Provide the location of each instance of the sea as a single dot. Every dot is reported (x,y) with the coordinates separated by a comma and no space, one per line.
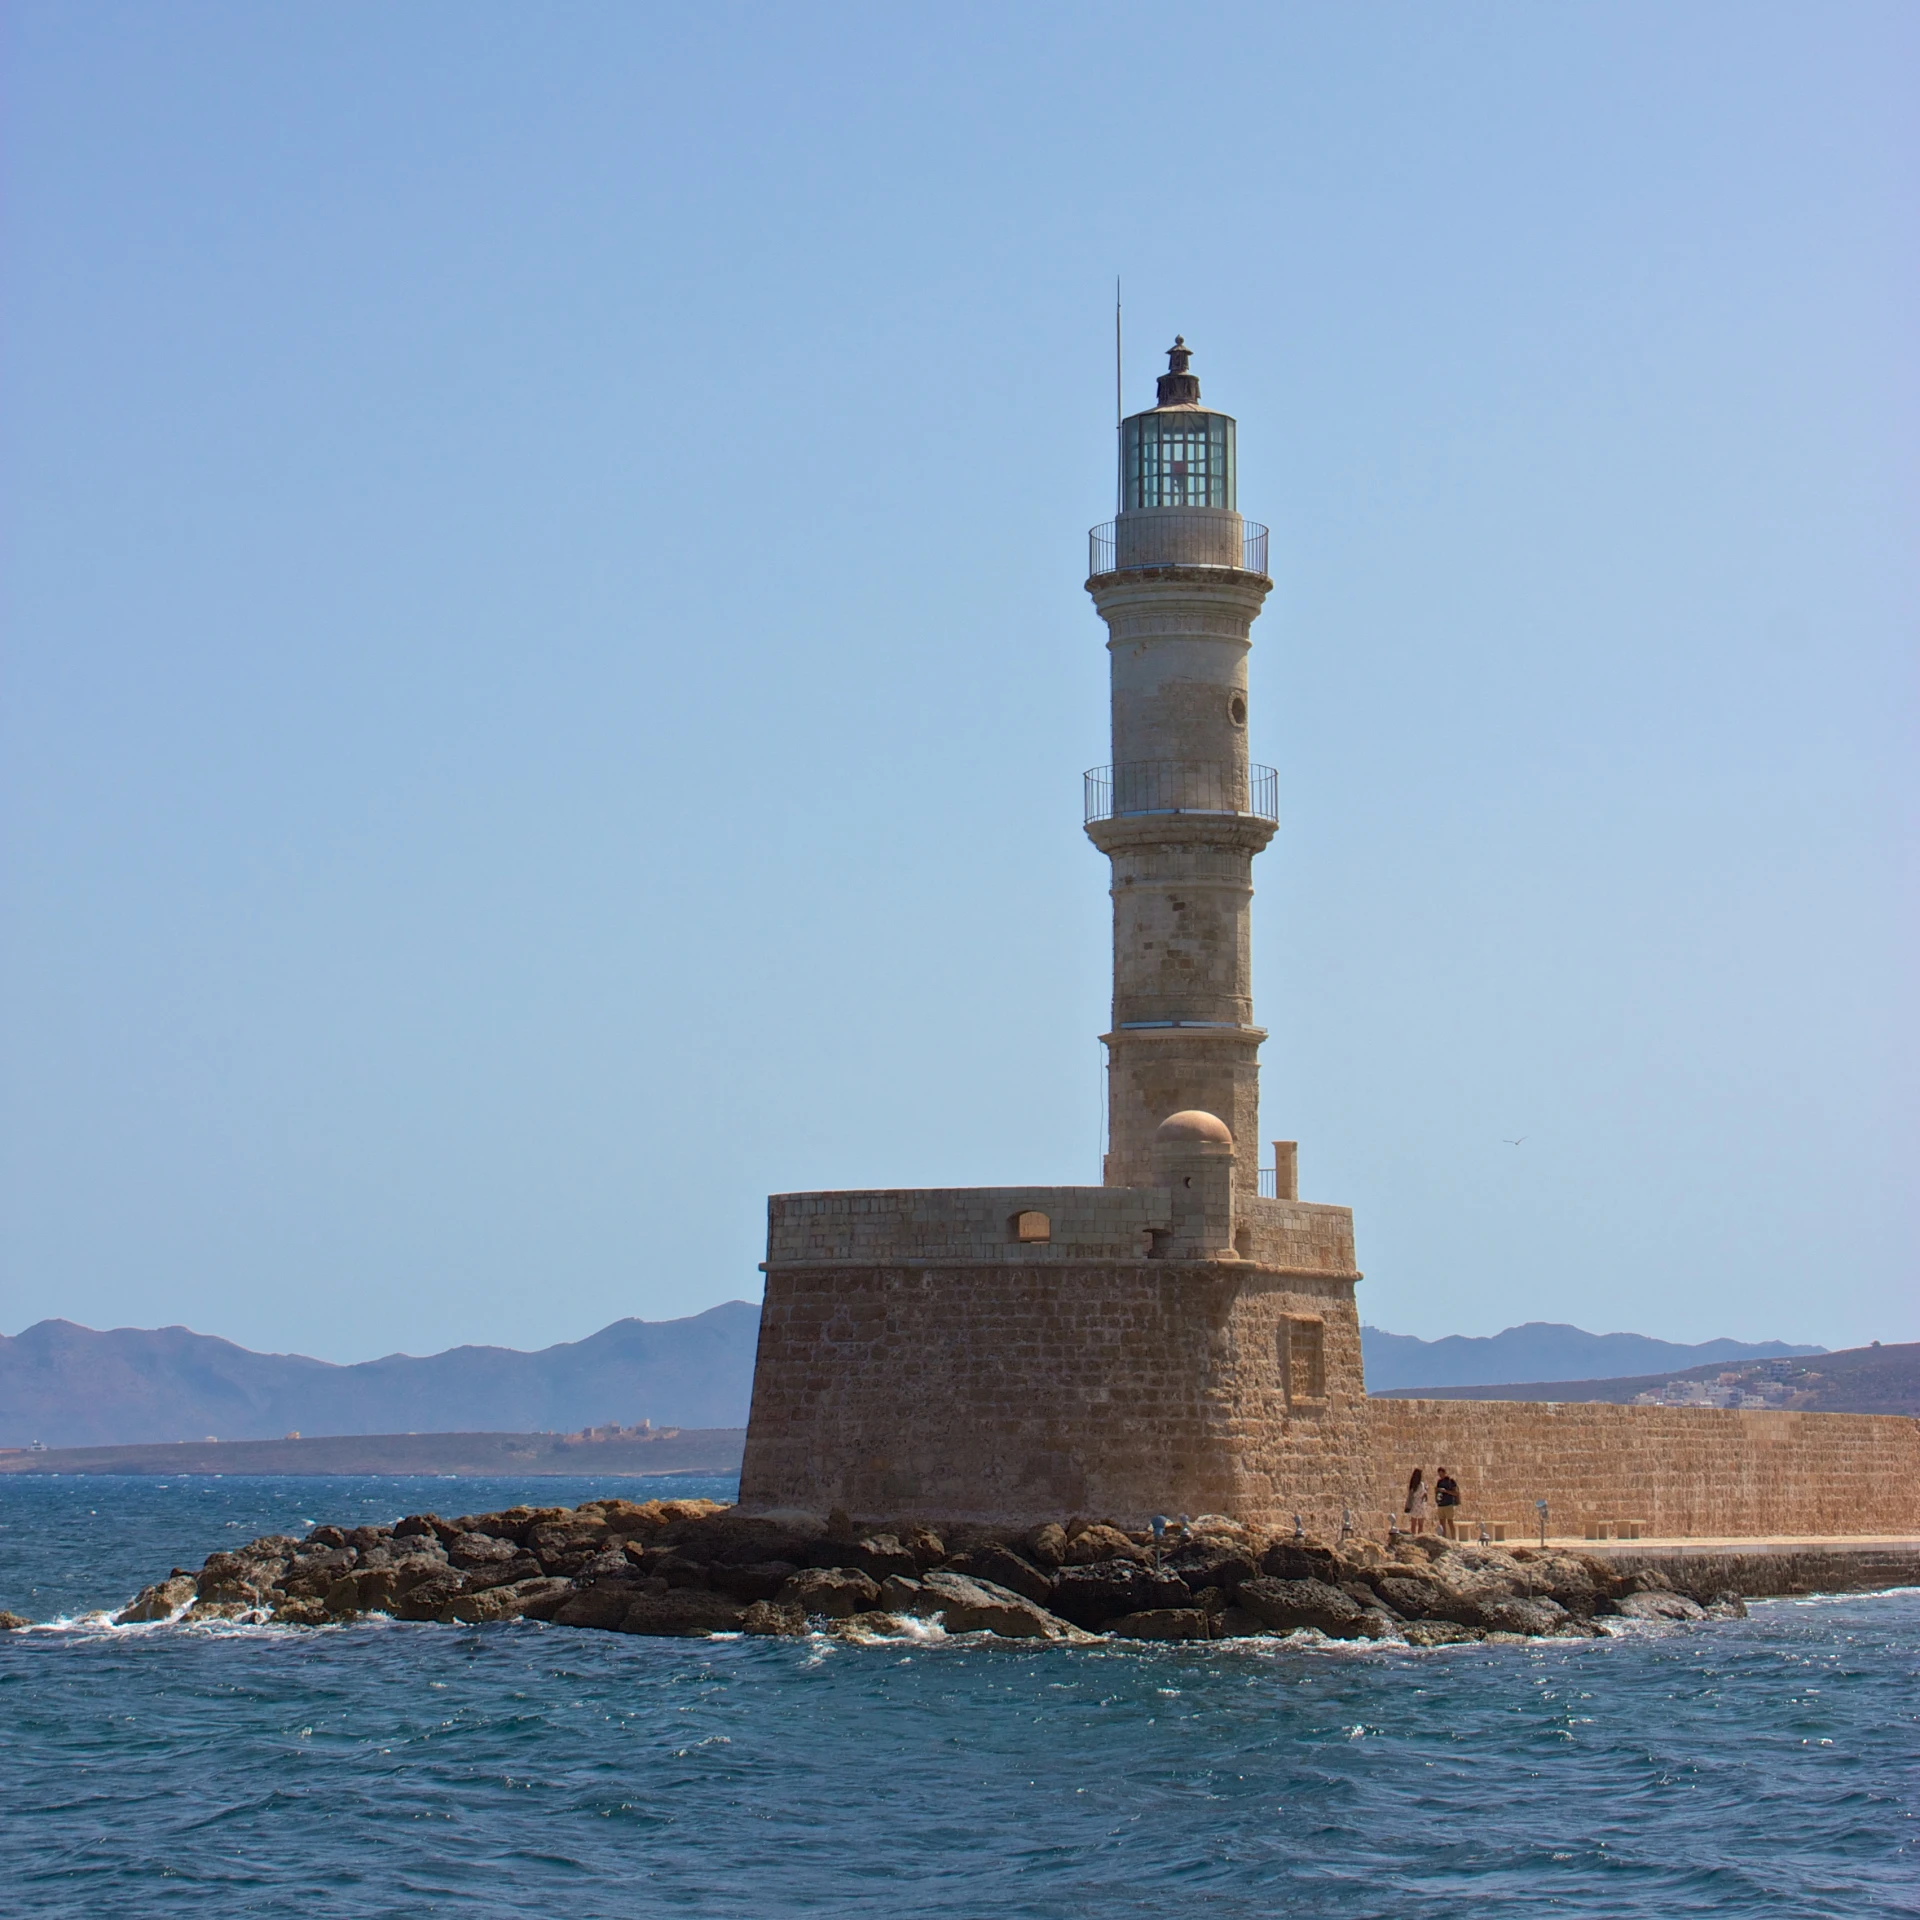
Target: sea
(1769,1766)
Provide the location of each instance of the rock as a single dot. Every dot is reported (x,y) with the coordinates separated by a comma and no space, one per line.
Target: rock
(428,1599)
(566,1546)
(1577,1581)
(326,1537)
(1098,1542)
(539,1599)
(11,1622)
(1302,1560)
(833,1591)
(1287,1605)
(1652,1604)
(308,1612)
(1212,1563)
(513,1572)
(1047,1546)
(728,1539)
(898,1595)
(1236,1623)
(677,1569)
(233,1577)
(310,1574)
(1091,1595)
(419,1526)
(1438,1633)
(876,1555)
(1005,1568)
(979,1606)
(1726,1606)
(480,1550)
(342,1599)
(774,1618)
(685,1611)
(1163,1623)
(866,1629)
(606,1604)
(161,1601)
(926,1546)
(1533,1617)
(760,1581)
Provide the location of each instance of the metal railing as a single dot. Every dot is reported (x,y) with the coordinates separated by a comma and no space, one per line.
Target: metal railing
(1269,1178)
(1179,540)
(1180,786)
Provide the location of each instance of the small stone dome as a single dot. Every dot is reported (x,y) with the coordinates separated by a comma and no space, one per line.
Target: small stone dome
(1194,1125)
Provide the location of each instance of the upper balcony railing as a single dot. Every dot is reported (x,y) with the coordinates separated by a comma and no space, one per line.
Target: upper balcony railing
(1181,786)
(1178,537)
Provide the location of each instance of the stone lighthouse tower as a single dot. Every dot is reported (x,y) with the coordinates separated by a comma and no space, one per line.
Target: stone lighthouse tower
(1173,1340)
(1178,578)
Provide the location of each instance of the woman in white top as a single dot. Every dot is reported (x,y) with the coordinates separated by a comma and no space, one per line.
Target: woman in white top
(1419,1504)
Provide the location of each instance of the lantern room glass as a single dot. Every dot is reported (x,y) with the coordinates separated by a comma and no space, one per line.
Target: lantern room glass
(1177,457)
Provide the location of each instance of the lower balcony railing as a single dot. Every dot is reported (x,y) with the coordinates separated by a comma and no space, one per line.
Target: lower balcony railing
(1170,538)
(1181,786)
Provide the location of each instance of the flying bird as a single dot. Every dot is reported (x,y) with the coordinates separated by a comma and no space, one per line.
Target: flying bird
(1511,1143)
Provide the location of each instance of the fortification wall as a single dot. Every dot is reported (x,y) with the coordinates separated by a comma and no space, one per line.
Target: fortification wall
(1684,1471)
(1019,1389)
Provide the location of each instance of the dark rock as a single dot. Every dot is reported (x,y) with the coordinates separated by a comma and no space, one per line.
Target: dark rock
(537,1599)
(1303,1560)
(677,1570)
(326,1537)
(926,1546)
(877,1555)
(428,1599)
(1424,1599)
(1438,1633)
(1047,1546)
(603,1606)
(979,1606)
(1238,1624)
(308,1575)
(1652,1604)
(1092,1545)
(307,1612)
(1533,1617)
(342,1599)
(728,1539)
(405,1574)
(774,1618)
(161,1601)
(1287,1605)
(1089,1595)
(11,1622)
(1005,1568)
(833,1591)
(230,1577)
(418,1526)
(1726,1606)
(480,1550)
(687,1611)
(1163,1623)
(898,1595)
(566,1546)
(1212,1563)
(760,1581)
(507,1573)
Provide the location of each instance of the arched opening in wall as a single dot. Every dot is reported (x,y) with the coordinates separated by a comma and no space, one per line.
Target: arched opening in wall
(1030,1228)
(1237,710)
(1302,1353)
(1243,1242)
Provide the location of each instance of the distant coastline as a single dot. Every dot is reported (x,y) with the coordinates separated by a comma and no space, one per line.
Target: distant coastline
(623,1455)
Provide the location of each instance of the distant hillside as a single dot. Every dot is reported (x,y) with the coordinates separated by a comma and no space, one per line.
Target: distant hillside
(615,1456)
(1882,1379)
(67,1386)
(1541,1351)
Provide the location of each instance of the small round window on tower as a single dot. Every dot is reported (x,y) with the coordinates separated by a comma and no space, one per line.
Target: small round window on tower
(1237,707)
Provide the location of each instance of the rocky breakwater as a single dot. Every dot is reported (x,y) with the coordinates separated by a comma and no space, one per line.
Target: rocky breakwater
(690,1567)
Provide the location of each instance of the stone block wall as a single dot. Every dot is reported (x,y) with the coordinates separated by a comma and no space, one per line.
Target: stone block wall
(914,1359)
(1684,1471)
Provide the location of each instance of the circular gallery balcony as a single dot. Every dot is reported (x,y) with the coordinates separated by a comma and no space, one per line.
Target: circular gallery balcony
(1177,537)
(1181,786)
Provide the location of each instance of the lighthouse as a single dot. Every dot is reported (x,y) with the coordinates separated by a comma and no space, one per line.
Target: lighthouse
(1175,1339)
(1178,577)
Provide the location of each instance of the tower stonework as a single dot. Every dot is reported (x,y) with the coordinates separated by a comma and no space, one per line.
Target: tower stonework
(1173,1340)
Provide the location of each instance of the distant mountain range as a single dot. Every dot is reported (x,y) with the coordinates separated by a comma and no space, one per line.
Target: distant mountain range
(1542,1350)
(67,1386)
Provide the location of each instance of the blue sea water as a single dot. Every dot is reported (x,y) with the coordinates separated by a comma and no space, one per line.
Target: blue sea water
(1760,1767)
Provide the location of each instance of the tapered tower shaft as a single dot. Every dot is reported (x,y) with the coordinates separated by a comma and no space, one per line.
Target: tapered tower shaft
(1179,579)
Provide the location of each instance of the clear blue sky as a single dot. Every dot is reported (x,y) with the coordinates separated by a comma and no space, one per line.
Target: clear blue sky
(547,674)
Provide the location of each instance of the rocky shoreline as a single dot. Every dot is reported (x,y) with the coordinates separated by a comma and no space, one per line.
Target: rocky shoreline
(692,1568)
